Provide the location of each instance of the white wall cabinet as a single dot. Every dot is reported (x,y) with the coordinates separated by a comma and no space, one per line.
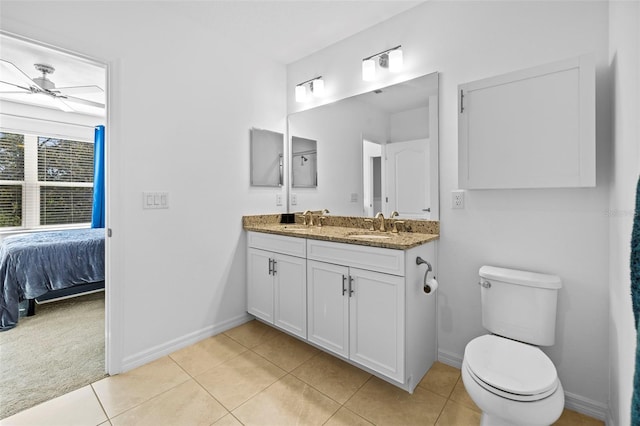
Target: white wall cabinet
(364,304)
(276,287)
(533,128)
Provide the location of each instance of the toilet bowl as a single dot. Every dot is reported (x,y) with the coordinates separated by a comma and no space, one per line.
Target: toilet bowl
(513,383)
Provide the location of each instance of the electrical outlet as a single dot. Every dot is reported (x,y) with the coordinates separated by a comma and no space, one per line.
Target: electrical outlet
(294,199)
(278,199)
(457,199)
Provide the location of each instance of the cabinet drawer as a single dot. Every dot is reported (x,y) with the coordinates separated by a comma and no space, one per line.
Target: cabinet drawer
(377,259)
(277,243)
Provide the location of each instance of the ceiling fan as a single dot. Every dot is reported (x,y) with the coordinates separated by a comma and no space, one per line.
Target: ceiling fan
(14,81)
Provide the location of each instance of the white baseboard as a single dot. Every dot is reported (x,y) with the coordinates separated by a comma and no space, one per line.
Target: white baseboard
(156,352)
(609,420)
(571,401)
(449,358)
(585,406)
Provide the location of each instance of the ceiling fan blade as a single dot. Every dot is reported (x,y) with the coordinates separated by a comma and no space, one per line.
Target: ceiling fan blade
(11,74)
(87,102)
(6,86)
(62,105)
(79,90)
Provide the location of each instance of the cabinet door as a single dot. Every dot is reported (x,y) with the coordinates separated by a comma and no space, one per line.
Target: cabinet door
(259,285)
(532,128)
(328,306)
(377,313)
(290,294)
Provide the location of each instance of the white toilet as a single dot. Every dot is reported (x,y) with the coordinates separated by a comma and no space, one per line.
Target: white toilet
(508,377)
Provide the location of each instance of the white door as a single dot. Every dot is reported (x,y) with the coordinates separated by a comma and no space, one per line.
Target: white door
(290,275)
(328,306)
(377,313)
(260,284)
(407,176)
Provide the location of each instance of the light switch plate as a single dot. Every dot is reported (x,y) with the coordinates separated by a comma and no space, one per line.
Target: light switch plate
(278,199)
(155,200)
(294,199)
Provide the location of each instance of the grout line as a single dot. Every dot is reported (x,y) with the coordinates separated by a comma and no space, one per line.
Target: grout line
(100,402)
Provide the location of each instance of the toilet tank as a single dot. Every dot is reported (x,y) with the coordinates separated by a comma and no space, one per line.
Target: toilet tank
(519,305)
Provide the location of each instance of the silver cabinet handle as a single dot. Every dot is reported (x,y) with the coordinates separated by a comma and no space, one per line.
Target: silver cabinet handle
(274,266)
(344,287)
(270,266)
(484,283)
(351,290)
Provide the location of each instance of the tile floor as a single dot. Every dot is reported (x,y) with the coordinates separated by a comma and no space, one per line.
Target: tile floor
(256,375)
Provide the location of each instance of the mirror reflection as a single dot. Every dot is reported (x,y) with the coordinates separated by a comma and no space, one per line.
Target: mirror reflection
(304,163)
(266,157)
(377,152)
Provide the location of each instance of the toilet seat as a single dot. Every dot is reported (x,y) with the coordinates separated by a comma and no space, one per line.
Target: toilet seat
(510,369)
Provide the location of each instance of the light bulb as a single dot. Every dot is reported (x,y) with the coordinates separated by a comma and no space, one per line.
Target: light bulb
(368,70)
(301,93)
(395,60)
(317,86)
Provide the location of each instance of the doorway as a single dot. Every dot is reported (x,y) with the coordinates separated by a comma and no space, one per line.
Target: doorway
(372,177)
(53,97)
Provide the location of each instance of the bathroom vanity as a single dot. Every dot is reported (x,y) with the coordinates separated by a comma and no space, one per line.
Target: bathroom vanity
(355,293)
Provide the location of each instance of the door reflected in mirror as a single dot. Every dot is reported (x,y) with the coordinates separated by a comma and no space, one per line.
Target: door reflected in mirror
(380,152)
(267,165)
(304,162)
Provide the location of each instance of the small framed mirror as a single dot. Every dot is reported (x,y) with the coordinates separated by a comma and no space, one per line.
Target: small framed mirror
(304,162)
(267,151)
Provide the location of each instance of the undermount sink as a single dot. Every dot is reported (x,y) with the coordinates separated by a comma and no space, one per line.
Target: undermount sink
(295,227)
(370,236)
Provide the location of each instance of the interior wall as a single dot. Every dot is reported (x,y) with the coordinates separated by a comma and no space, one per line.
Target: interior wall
(179,122)
(409,125)
(557,231)
(624,58)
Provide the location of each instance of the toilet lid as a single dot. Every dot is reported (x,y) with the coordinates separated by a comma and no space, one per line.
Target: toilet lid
(512,367)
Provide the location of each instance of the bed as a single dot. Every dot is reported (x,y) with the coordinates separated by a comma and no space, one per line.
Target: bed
(45,265)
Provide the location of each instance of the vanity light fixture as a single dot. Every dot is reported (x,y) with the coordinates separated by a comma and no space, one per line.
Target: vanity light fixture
(390,58)
(316,88)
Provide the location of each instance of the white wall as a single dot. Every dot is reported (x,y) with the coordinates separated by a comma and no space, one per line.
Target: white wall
(624,57)
(409,125)
(179,122)
(559,231)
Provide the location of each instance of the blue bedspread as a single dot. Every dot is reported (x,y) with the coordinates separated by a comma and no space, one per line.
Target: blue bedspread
(33,264)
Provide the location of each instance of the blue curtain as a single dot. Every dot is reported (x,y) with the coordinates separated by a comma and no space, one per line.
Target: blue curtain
(97,213)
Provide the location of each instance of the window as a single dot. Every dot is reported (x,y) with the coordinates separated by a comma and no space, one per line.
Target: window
(11,179)
(44,181)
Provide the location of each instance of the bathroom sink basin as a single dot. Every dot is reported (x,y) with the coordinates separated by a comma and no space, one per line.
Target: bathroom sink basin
(294,227)
(370,236)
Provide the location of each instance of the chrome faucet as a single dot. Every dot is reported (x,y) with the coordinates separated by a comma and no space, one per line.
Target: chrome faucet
(380,216)
(394,214)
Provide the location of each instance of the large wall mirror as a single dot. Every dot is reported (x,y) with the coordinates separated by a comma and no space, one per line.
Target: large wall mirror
(375,152)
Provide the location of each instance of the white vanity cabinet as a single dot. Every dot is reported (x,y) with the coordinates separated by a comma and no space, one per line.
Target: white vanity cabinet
(276,275)
(364,304)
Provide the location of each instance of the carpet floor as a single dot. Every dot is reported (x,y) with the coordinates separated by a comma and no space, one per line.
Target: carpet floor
(58,350)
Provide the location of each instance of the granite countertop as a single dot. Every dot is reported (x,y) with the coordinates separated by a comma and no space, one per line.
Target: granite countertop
(350,230)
